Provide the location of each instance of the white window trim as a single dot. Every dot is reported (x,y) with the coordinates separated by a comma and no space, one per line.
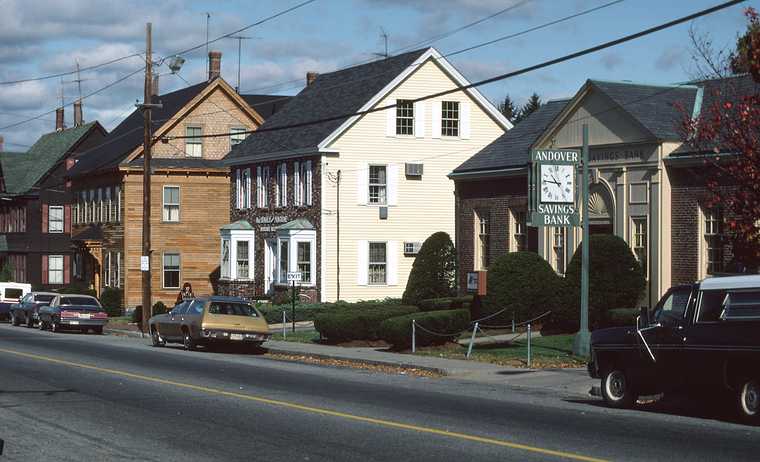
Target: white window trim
(293,237)
(369,186)
(50,270)
(387,265)
(235,236)
(193,142)
(632,237)
(178,204)
(458,120)
(703,260)
(50,221)
(513,220)
(237,131)
(163,270)
(396,119)
(282,185)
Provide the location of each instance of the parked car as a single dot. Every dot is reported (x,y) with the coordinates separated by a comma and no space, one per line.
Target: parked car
(10,293)
(208,320)
(71,311)
(27,309)
(701,337)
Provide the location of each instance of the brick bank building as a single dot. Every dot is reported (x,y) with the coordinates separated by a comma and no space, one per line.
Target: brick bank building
(646,186)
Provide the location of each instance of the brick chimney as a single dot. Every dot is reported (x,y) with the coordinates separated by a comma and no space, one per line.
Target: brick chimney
(59,124)
(154,86)
(311,77)
(78,119)
(214,64)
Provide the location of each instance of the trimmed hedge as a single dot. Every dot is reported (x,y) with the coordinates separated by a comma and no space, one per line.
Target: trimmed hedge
(158,308)
(398,330)
(449,303)
(306,312)
(433,272)
(359,322)
(111,298)
(77,288)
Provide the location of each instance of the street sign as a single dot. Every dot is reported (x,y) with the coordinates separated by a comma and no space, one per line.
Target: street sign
(294,276)
(552,187)
(144,263)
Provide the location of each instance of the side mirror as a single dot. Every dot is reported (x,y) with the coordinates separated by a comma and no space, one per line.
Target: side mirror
(643,320)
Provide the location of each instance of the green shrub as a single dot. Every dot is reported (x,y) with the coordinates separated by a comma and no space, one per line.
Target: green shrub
(111,299)
(449,303)
(523,284)
(433,272)
(616,281)
(358,321)
(304,312)
(158,308)
(398,330)
(77,288)
(621,317)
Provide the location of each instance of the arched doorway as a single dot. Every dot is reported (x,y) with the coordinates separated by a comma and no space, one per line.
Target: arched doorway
(601,210)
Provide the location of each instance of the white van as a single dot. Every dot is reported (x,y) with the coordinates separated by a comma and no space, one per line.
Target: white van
(10,293)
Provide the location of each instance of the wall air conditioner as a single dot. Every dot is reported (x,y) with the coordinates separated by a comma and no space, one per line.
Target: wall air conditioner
(413,170)
(412,248)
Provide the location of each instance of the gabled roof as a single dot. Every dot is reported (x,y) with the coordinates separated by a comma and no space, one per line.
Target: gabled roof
(23,171)
(512,149)
(336,94)
(297,224)
(240,225)
(659,109)
(266,105)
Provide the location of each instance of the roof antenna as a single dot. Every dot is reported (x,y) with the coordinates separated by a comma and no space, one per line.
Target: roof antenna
(385,37)
(208,20)
(240,39)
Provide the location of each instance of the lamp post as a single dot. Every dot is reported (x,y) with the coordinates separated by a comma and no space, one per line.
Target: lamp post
(581,343)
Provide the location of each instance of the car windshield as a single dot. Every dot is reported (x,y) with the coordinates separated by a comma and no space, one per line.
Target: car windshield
(43,298)
(79,301)
(234,309)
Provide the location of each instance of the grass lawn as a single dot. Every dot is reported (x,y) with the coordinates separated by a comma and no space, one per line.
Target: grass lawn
(120,319)
(547,352)
(300,336)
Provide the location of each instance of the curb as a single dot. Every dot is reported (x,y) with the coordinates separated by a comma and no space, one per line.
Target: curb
(125,333)
(596,390)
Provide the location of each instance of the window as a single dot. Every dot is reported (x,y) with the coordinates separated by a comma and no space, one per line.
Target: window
(742,305)
(713,240)
(284,262)
(378,184)
(245,189)
(558,244)
(107,213)
(107,269)
(242,260)
(674,305)
(171,270)
(100,212)
(404,117)
(639,236)
(117,193)
(450,118)
(282,185)
(377,263)
(711,305)
(83,207)
(55,219)
(237,135)
(91,214)
(481,240)
(262,187)
(232,309)
(302,183)
(55,269)
(304,261)
(194,146)
(520,229)
(225,267)
(171,203)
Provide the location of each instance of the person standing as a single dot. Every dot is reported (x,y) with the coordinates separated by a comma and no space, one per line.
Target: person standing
(185,294)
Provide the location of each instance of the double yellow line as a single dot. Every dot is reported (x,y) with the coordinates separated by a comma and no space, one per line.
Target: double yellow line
(311,409)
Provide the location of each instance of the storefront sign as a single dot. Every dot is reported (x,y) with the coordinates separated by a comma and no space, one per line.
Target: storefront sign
(551,186)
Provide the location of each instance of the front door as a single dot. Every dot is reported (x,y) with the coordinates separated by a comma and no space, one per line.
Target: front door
(270,266)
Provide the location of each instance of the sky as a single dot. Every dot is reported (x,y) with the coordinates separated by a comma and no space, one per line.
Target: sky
(43,37)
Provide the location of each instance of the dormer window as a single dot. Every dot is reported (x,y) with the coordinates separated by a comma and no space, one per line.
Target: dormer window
(404,117)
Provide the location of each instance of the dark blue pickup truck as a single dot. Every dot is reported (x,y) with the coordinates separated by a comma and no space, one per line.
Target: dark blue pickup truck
(703,336)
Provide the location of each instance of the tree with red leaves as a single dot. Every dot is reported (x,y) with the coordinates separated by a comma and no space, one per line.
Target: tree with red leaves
(730,129)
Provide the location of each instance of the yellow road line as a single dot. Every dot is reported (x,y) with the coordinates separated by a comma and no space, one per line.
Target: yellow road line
(313,410)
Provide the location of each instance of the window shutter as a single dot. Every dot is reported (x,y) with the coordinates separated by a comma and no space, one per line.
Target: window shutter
(248,188)
(436,119)
(419,119)
(308,182)
(237,189)
(117,192)
(259,200)
(363,263)
(392,184)
(45,269)
(390,126)
(362,185)
(284,185)
(44,218)
(67,218)
(67,269)
(296,186)
(464,120)
(391,252)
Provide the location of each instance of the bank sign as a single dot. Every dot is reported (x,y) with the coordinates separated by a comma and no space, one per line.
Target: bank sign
(552,188)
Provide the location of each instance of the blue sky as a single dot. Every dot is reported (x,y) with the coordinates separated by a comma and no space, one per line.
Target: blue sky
(39,37)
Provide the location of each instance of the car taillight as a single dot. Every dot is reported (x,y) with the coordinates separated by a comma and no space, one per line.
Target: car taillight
(69,314)
(100,315)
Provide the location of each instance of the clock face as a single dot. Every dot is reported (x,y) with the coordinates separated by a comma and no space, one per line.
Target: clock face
(557,183)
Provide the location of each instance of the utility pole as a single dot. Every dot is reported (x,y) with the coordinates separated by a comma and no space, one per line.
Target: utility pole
(240,39)
(147,106)
(581,344)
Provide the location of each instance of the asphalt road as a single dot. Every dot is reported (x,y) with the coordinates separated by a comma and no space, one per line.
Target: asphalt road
(73,397)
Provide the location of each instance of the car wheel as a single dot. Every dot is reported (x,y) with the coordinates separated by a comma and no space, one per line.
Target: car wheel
(156,339)
(187,341)
(41,324)
(749,401)
(55,326)
(29,321)
(15,320)
(617,389)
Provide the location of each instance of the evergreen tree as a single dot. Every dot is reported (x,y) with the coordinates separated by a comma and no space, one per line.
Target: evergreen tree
(508,109)
(534,102)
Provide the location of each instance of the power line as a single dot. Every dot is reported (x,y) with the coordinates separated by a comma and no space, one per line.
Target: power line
(478,45)
(496,78)
(63,74)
